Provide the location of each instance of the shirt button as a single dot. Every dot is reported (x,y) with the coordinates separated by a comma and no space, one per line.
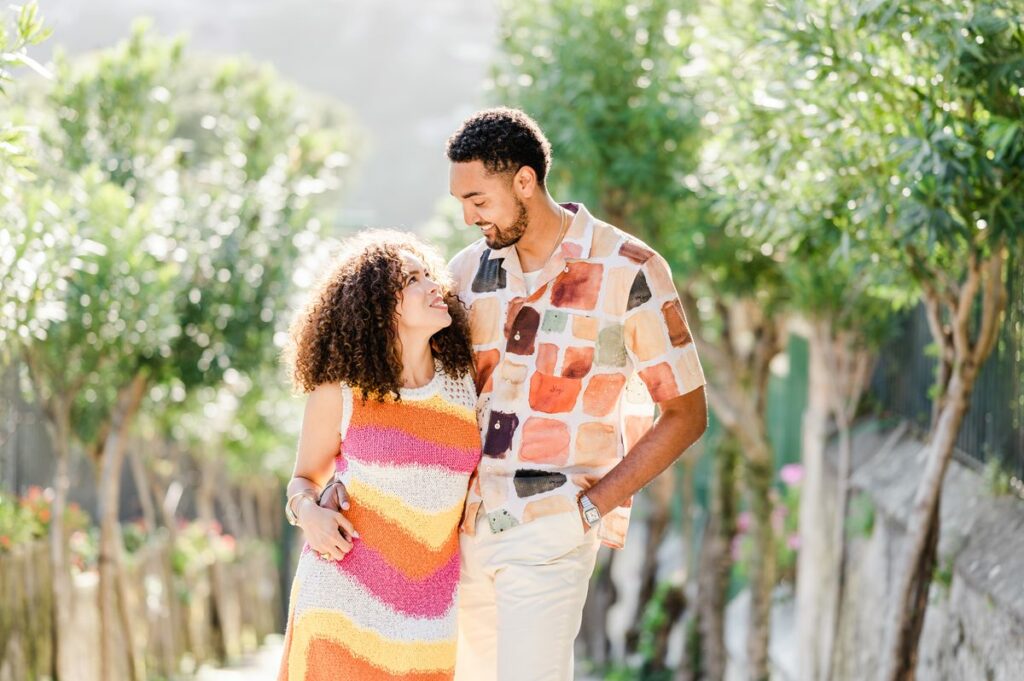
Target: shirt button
(497,426)
(566,269)
(517,335)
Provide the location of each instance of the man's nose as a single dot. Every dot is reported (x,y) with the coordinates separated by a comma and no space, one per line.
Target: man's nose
(470,217)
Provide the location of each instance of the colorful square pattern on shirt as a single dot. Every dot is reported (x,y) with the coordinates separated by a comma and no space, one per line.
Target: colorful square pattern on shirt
(568,373)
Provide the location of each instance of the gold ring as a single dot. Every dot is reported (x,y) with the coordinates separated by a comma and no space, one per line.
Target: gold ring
(325,556)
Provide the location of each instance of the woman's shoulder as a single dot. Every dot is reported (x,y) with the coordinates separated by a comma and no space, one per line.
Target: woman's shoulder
(330,397)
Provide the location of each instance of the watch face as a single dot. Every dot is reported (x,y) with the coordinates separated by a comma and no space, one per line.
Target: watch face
(592,515)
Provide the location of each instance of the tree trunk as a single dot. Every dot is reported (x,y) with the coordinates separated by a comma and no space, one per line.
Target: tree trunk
(915,570)
(811,569)
(260,507)
(673,605)
(985,278)
(839,545)
(740,368)
(716,563)
(686,493)
(849,363)
(230,498)
(65,664)
(659,494)
(601,596)
(143,489)
(758,474)
(249,494)
(110,465)
(168,489)
(206,493)
(691,619)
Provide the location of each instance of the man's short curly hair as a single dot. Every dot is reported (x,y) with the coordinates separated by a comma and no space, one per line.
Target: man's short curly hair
(347,332)
(504,140)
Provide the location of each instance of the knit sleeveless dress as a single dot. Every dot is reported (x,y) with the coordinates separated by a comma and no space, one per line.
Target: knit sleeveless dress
(387,610)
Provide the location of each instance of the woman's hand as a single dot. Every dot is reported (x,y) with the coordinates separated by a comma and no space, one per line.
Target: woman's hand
(327,532)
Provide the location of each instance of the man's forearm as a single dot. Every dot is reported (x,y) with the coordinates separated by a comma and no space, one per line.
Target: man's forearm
(683,420)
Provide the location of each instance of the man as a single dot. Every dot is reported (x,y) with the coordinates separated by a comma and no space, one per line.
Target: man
(571,318)
(576,328)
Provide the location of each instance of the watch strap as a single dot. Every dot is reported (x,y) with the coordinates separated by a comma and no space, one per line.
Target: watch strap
(590,512)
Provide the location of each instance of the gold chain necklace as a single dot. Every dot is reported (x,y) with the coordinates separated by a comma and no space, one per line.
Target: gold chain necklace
(561,233)
(563,226)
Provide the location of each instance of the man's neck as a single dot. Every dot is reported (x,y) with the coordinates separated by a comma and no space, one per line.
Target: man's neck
(535,247)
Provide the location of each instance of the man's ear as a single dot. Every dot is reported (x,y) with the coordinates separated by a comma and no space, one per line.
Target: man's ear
(524,182)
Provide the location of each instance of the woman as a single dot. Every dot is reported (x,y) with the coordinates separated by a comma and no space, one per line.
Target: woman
(383,350)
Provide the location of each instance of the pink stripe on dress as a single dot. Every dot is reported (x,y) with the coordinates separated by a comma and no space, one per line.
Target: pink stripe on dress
(376,444)
(430,597)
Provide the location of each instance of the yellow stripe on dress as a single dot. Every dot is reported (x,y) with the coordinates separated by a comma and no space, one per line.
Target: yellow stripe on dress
(431,529)
(396,657)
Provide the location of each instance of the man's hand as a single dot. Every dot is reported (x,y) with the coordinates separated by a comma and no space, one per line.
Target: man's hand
(335,497)
(683,420)
(583,520)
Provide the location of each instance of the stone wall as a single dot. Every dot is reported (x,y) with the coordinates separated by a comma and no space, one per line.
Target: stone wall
(974,628)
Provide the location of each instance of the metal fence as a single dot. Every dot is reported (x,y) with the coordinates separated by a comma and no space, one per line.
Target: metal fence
(994,426)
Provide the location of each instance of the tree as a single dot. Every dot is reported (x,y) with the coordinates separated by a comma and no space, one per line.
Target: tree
(934,92)
(627,136)
(201,195)
(789,168)
(600,79)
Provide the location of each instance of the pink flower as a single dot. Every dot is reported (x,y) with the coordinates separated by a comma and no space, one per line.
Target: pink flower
(792,474)
(793,542)
(743,522)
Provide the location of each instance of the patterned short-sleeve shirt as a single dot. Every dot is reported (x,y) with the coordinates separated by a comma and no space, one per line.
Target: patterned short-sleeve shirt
(568,374)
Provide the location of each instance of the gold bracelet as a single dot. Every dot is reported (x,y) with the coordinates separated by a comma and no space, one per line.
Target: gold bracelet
(289,511)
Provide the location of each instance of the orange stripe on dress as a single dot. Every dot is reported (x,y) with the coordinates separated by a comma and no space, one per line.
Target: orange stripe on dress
(422,421)
(399,548)
(327,660)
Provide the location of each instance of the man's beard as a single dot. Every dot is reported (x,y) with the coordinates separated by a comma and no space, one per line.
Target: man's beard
(509,236)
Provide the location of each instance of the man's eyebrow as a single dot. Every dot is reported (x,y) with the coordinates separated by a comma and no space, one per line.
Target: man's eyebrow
(470,195)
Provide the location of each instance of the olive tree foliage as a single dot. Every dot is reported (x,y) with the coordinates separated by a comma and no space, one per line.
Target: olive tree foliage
(906,117)
(789,173)
(937,88)
(26,273)
(173,200)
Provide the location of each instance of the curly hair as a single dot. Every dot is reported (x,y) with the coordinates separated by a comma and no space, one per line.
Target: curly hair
(504,140)
(347,331)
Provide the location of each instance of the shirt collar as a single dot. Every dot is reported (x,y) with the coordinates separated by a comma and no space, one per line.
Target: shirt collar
(576,243)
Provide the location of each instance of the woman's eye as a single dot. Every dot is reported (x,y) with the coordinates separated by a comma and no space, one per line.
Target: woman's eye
(479,205)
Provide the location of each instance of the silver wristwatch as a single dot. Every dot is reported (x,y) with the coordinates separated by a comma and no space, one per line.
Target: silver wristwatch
(590,512)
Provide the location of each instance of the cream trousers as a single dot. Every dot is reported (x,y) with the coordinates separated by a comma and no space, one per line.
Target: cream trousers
(521,598)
